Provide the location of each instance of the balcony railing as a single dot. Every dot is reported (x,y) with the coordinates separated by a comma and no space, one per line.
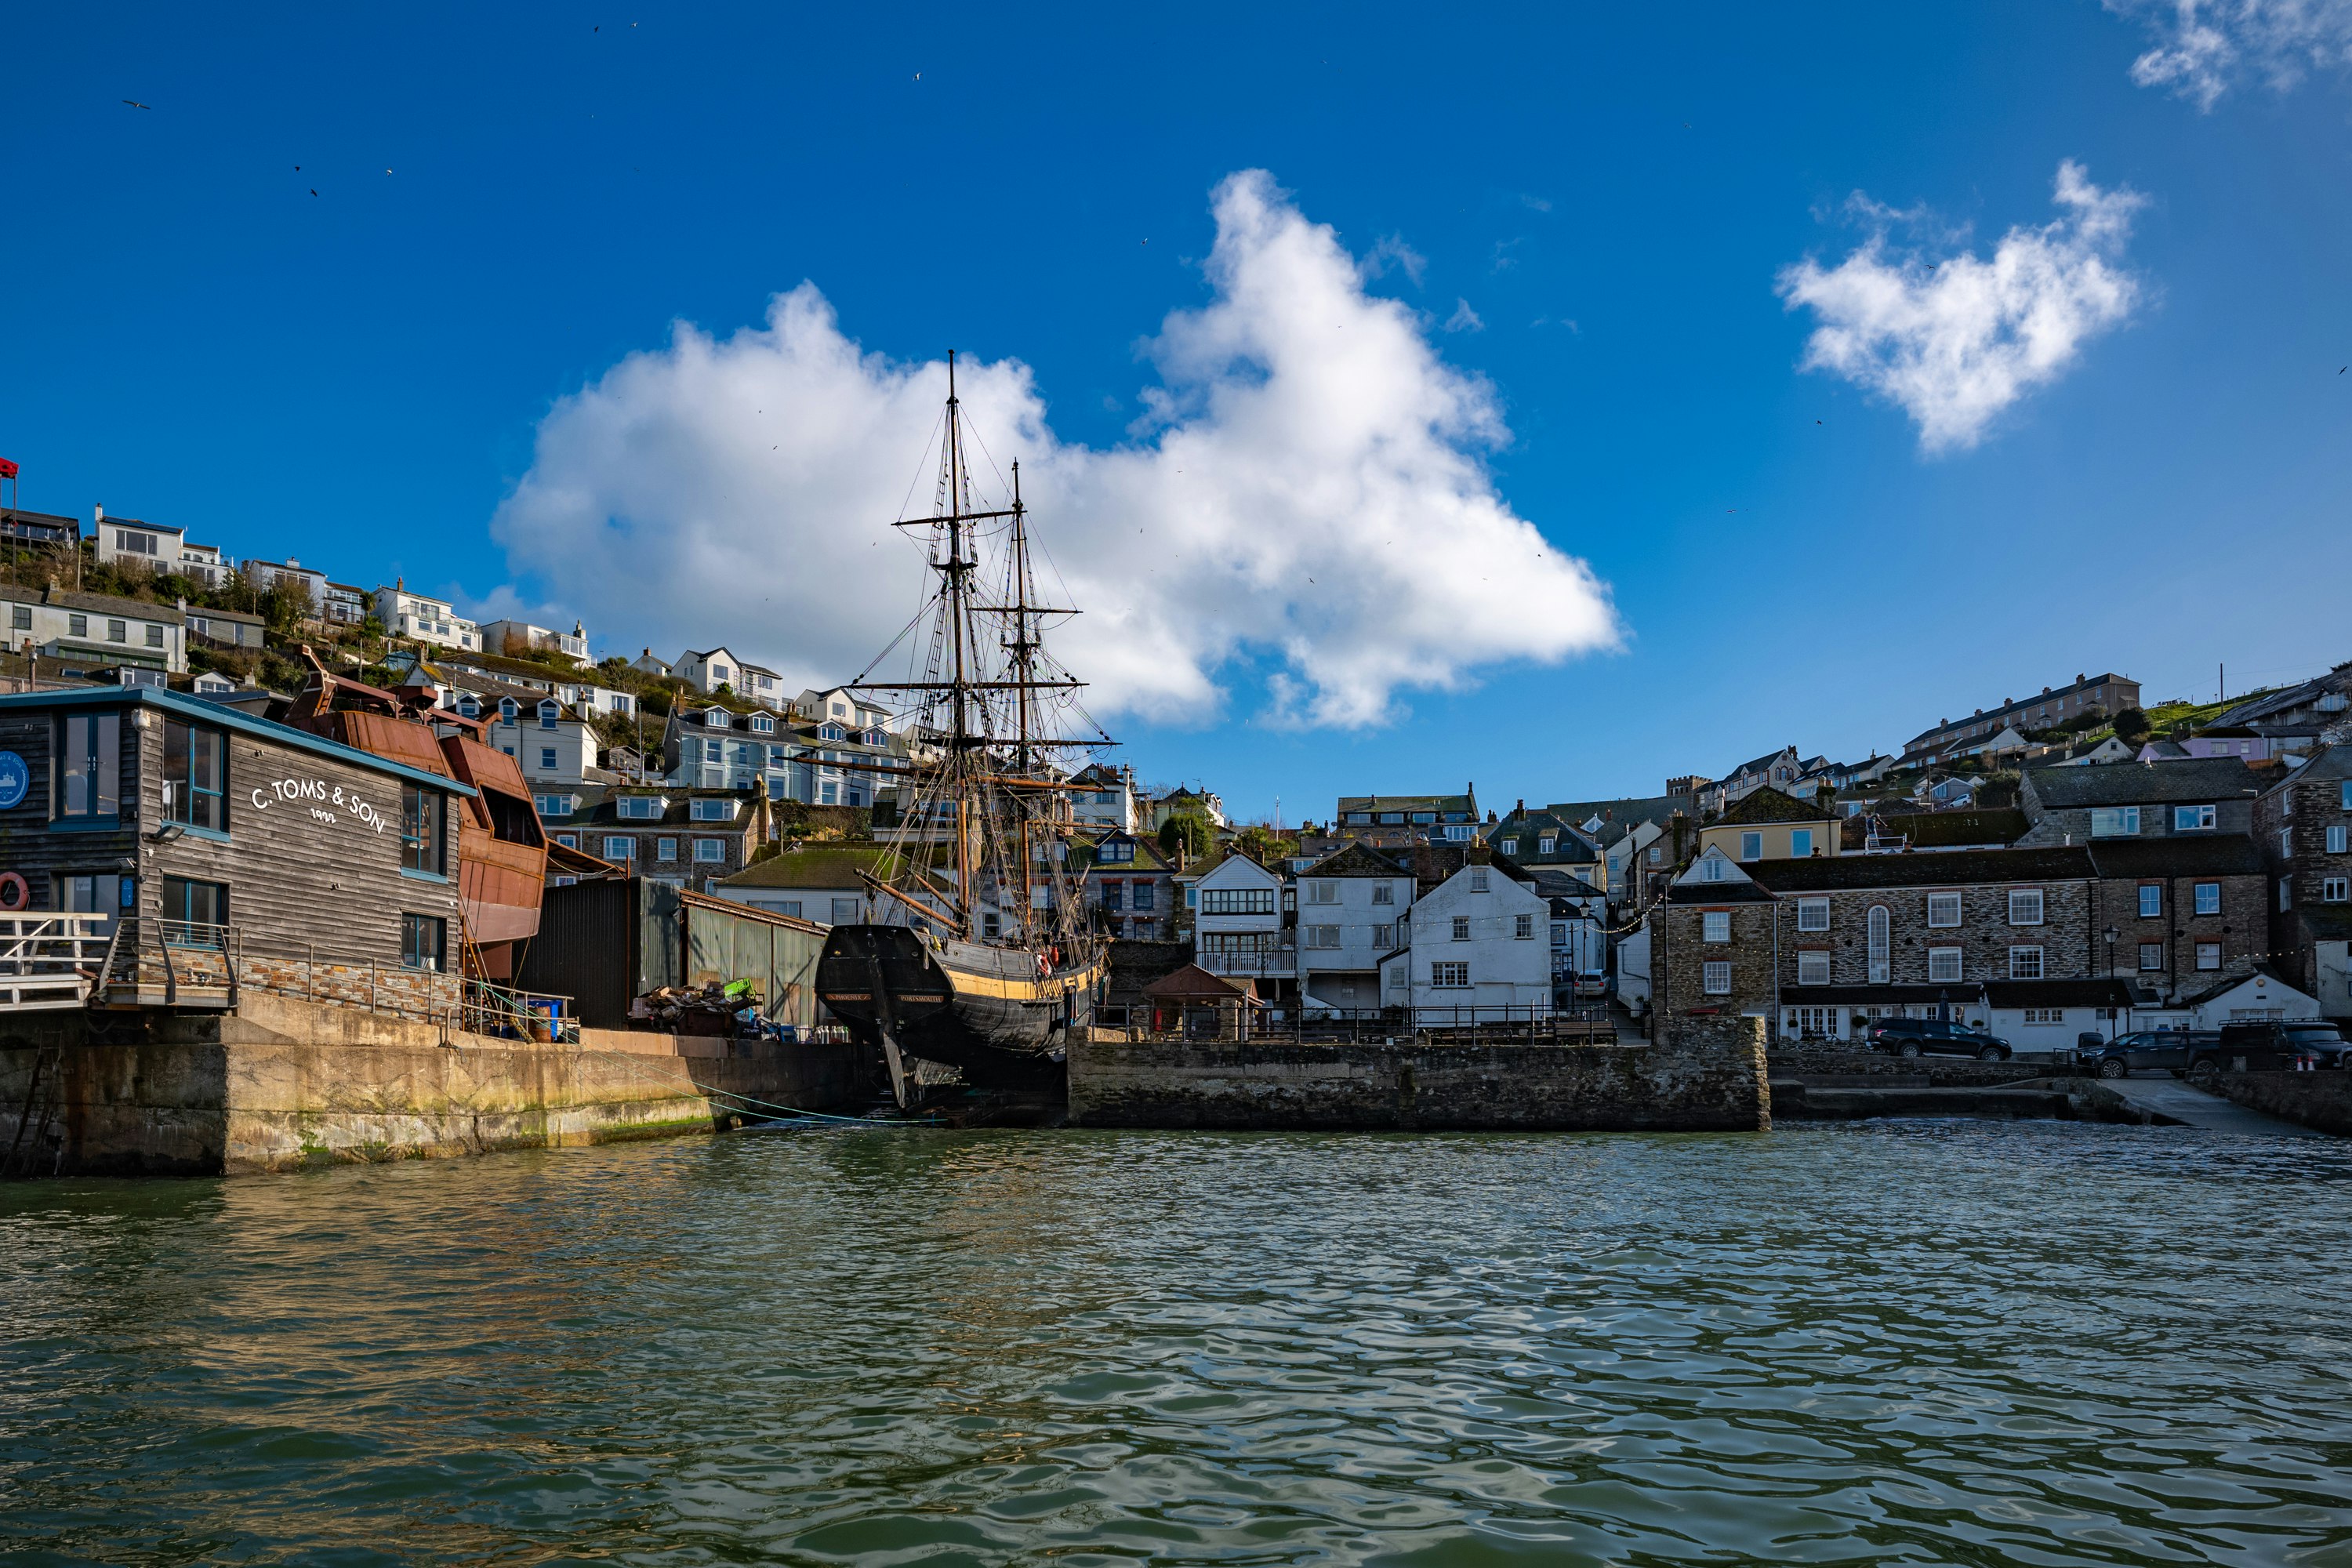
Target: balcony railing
(1278,961)
(52,961)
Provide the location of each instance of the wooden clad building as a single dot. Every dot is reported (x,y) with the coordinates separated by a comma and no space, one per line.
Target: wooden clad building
(199,828)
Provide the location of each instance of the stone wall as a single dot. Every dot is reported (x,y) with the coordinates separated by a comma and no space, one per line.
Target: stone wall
(2241,928)
(1693,1087)
(1939,1072)
(282,1084)
(2320,1101)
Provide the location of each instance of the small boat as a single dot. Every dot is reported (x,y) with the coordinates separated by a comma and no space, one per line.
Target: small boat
(978,957)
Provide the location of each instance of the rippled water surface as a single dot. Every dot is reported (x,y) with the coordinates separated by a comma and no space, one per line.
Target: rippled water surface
(2033,1344)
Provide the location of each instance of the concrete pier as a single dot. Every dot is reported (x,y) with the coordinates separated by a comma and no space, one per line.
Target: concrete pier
(1710,1080)
(281,1084)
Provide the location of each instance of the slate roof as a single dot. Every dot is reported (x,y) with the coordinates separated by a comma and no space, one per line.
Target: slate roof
(2223,986)
(1554,884)
(94,604)
(1948,868)
(1353,859)
(1617,816)
(1407,803)
(825,866)
(2334,763)
(2200,779)
(1928,829)
(1148,856)
(1768,804)
(2182,854)
(2108,993)
(1725,892)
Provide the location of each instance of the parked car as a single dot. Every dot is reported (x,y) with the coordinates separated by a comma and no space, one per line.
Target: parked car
(2165,1049)
(2275,1046)
(1933,1037)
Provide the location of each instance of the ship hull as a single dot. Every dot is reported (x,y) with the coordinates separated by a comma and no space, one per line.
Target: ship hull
(984,1011)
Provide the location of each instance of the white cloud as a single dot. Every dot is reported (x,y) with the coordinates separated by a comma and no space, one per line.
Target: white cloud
(1956,341)
(1307,490)
(1394,252)
(2206,45)
(1464,319)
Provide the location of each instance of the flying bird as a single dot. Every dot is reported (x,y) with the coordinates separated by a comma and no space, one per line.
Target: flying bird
(314,191)
(134,103)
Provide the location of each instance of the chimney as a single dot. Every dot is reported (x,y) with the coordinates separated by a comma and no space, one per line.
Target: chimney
(292,561)
(97,516)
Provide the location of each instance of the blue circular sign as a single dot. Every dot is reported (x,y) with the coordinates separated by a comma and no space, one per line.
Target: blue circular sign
(15,779)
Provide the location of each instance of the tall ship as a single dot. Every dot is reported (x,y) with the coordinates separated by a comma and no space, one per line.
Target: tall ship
(978,956)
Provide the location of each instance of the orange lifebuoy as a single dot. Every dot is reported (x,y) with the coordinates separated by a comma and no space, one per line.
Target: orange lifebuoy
(14,894)
(1045,965)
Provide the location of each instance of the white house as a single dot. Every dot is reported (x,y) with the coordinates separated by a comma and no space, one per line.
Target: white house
(422,619)
(1237,924)
(712,669)
(1478,952)
(156,546)
(1634,971)
(1180,801)
(761,685)
(1104,796)
(92,631)
(549,742)
(2258,997)
(840,705)
(1352,907)
(522,637)
(311,583)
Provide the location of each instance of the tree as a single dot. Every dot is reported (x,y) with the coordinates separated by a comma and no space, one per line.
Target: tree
(1187,831)
(2131,726)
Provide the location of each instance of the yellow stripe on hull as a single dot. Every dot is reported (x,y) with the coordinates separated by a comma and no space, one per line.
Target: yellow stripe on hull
(997,989)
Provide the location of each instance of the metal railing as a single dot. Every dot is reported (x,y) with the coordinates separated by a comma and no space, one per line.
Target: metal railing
(200,963)
(1264,961)
(53,959)
(1540,1022)
(507,1013)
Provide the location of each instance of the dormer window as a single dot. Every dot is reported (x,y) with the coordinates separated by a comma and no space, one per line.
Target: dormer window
(712,810)
(507,710)
(717,719)
(872,737)
(468,707)
(639,808)
(548,712)
(829,732)
(761,724)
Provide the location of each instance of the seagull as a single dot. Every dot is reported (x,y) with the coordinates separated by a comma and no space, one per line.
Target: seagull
(314,191)
(134,103)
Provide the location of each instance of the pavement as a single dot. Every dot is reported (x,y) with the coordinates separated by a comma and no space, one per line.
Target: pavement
(2178,1100)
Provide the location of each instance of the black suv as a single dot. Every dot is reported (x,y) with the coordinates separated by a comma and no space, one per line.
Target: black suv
(1932,1037)
(2166,1049)
(2305,1042)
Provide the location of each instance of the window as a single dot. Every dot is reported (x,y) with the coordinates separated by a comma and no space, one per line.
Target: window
(720,719)
(1477,879)
(2190,818)
(709,851)
(828,732)
(2151,955)
(637,808)
(2209,898)
(20,618)
(1751,846)
(1384,937)
(2025,964)
(845,911)
(1801,842)
(155,636)
(1813,914)
(665,849)
(619,848)
(1715,977)
(194,912)
(710,810)
(2285,893)
(420,941)
(2286,844)
(762,725)
(1546,844)
(77,626)
(89,766)
(2045,1015)
(192,776)
(1462,928)
(1880,964)
(1813,968)
(1320,892)
(118,631)
(1449,977)
(569,840)
(2209,955)
(2336,839)
(2344,796)
(719,673)
(1560,934)
(2335,889)
(1523,928)
(1425,817)
(1114,894)
(2152,900)
(1236,900)
(2114,821)
(134,543)
(548,712)
(420,829)
(547,759)
(1943,911)
(1657,856)
(1323,936)
(1715,925)
(1144,897)
(508,710)
(2024,907)
(1943,965)
(97,893)
(1711,869)
(1384,892)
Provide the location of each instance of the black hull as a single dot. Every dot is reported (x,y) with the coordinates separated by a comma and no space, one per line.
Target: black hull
(983,1011)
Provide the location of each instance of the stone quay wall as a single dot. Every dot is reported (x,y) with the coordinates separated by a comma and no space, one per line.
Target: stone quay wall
(280,1085)
(2319,1100)
(1940,1072)
(1423,1084)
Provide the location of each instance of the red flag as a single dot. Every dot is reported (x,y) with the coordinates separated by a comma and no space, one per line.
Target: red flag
(7,469)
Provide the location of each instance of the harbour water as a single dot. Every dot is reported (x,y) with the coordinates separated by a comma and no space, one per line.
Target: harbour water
(1923,1343)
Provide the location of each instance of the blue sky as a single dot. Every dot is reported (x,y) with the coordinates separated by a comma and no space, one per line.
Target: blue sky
(365,378)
